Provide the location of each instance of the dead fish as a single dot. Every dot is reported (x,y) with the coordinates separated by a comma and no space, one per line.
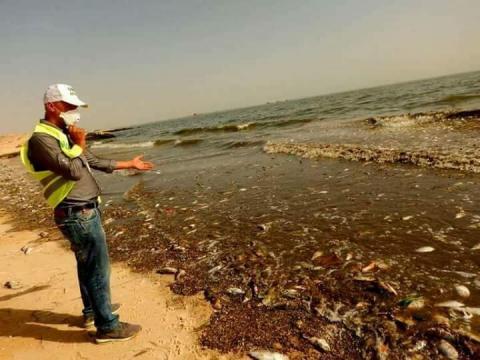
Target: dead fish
(451,304)
(364,278)
(476,247)
(419,346)
(178,248)
(462,290)
(413,301)
(448,350)
(264,227)
(465,274)
(235,291)
(387,287)
(417,304)
(460,313)
(12,285)
(267,355)
(180,274)
(317,254)
(473,310)
(370,267)
(405,218)
(167,270)
(291,293)
(215,269)
(425,249)
(319,343)
(212,244)
(26,250)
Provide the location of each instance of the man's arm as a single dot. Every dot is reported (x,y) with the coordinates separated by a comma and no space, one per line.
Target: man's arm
(78,136)
(105,165)
(108,166)
(45,154)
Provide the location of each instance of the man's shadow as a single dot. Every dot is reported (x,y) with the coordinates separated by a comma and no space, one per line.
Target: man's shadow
(34,323)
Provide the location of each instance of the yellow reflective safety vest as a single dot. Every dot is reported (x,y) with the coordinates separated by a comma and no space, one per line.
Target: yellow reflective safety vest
(55,187)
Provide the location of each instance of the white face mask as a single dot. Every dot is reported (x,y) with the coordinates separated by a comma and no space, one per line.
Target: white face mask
(70,117)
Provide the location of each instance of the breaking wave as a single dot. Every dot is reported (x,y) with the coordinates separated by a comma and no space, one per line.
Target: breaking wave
(453,99)
(146,144)
(408,120)
(221,128)
(241,127)
(113,145)
(458,159)
(405,120)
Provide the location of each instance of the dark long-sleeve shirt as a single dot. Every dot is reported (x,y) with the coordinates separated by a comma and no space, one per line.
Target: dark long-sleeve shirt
(45,154)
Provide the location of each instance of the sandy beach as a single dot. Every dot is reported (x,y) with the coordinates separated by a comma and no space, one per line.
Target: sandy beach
(40,313)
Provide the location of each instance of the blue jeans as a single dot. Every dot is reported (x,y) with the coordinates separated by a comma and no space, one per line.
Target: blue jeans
(87,239)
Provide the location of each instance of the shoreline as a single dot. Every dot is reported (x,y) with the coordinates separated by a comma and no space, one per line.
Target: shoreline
(292,320)
(10,145)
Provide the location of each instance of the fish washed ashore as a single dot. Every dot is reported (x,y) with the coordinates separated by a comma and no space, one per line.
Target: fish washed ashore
(337,306)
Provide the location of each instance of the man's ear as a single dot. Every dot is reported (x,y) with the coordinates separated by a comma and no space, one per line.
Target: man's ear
(51,108)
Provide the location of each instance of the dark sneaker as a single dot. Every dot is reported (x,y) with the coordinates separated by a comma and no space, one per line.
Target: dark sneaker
(123,332)
(88,320)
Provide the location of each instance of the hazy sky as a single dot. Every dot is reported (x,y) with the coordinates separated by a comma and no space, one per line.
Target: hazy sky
(145,60)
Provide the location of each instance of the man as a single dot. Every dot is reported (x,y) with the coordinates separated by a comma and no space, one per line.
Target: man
(56,155)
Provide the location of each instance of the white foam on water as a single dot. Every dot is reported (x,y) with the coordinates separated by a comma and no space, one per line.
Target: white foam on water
(145,144)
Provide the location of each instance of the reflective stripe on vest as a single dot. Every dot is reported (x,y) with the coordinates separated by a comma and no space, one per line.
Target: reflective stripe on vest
(55,187)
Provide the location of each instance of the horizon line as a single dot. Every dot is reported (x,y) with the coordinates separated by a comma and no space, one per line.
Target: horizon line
(307,97)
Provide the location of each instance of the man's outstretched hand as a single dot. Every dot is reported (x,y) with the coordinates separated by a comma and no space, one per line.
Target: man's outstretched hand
(139,164)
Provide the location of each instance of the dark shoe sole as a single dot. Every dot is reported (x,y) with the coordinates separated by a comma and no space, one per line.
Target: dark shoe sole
(107,340)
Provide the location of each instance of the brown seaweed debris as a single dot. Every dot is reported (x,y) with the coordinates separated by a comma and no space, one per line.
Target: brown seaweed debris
(460,159)
(238,327)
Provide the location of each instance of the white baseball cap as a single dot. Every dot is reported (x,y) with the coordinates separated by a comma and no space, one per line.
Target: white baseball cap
(62,92)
